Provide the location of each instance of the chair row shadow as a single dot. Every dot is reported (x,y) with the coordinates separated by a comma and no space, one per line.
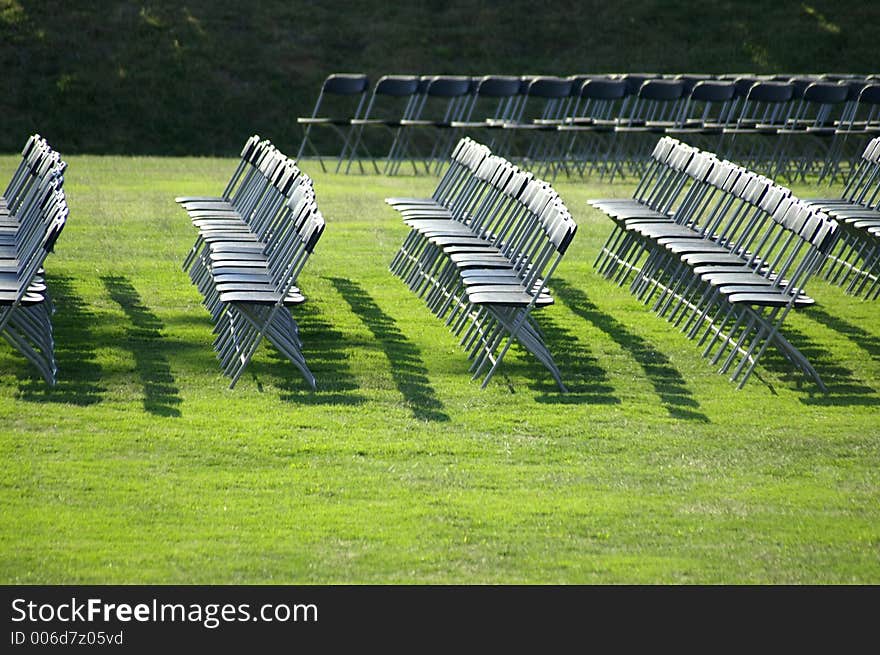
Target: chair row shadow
(81,380)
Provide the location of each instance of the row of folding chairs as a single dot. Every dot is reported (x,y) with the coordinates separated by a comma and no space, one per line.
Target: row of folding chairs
(33,212)
(602,124)
(854,263)
(253,242)
(481,252)
(720,251)
(790,129)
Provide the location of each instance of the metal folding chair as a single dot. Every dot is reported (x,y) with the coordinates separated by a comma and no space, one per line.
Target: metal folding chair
(340,101)
(394,99)
(445,101)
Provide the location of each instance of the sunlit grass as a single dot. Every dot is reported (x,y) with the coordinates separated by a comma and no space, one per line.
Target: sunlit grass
(142,466)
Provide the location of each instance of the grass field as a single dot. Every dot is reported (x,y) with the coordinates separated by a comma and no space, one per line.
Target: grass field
(141,466)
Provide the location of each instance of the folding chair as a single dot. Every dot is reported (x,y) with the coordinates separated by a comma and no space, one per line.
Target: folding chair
(495,101)
(258,310)
(764,110)
(348,90)
(445,100)
(543,106)
(805,141)
(587,133)
(853,133)
(655,108)
(706,112)
(394,99)
(839,161)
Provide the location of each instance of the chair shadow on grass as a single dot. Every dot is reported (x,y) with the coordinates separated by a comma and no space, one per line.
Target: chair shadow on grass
(79,374)
(585,380)
(844,388)
(145,342)
(322,347)
(868,342)
(668,382)
(407,369)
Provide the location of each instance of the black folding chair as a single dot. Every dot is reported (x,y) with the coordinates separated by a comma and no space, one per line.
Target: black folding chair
(394,99)
(340,101)
(445,100)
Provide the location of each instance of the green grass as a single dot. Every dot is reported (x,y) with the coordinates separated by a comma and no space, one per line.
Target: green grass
(141,466)
(165,77)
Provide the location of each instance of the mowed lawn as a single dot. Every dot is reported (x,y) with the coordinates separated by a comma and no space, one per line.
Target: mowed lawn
(141,466)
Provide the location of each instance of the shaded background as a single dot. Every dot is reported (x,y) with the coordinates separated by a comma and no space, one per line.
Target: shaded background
(198,77)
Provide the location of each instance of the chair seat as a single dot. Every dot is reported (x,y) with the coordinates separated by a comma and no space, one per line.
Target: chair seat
(585,127)
(491,277)
(714,257)
(745,278)
(472,240)
(505,295)
(657,230)
(432,228)
(480,260)
(691,246)
(238,246)
(186,199)
(235,237)
(8,298)
(427,214)
(260,297)
(323,120)
(475,125)
(528,126)
(375,121)
(768,299)
(415,202)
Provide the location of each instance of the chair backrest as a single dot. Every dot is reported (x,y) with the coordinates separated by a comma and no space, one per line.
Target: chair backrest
(342,95)
(603,89)
(448,86)
(346,83)
(657,100)
(820,104)
(870,95)
(545,99)
(690,80)
(495,98)
(394,97)
(709,101)
(766,102)
(770,92)
(399,86)
(634,81)
(446,98)
(497,86)
(713,91)
(550,88)
(743,83)
(598,99)
(799,85)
